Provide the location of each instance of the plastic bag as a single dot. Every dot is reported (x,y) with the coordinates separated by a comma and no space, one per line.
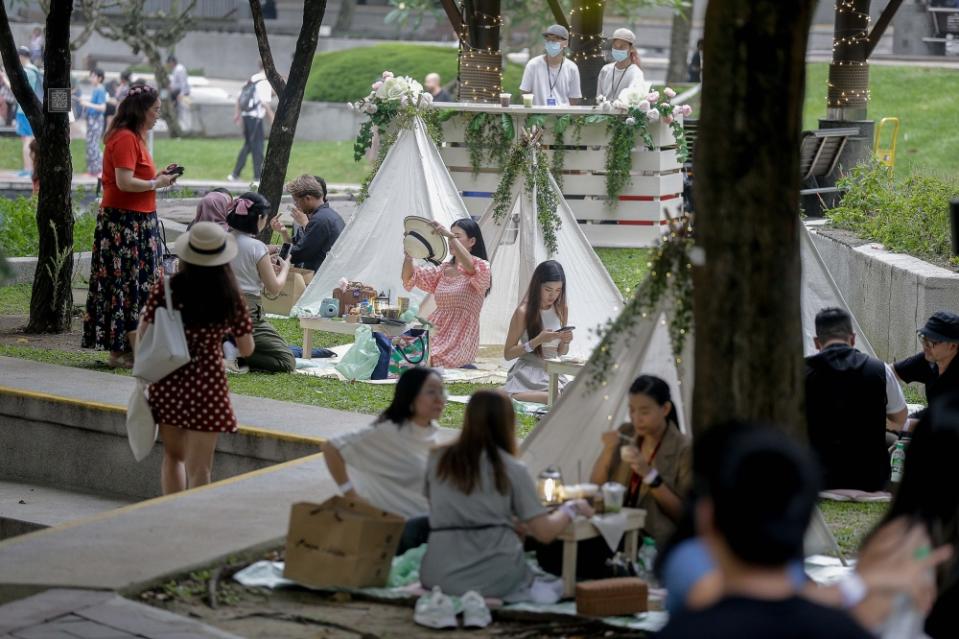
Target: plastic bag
(410,314)
(361,359)
(406,568)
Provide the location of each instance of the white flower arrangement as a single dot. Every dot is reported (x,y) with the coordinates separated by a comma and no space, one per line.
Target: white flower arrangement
(389,88)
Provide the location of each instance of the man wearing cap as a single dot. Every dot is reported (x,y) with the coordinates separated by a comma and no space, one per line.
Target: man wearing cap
(551,78)
(623,72)
(849,398)
(318,224)
(934,366)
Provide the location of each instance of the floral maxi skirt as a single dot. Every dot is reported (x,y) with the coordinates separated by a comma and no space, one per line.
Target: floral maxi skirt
(123,269)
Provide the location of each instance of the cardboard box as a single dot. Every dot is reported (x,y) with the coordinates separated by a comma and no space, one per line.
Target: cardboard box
(341,542)
(612,597)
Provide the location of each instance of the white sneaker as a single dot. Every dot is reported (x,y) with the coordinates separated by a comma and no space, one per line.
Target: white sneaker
(231,178)
(435,610)
(232,366)
(475,612)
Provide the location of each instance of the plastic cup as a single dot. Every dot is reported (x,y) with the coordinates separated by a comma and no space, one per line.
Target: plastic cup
(613,494)
(527,100)
(504,99)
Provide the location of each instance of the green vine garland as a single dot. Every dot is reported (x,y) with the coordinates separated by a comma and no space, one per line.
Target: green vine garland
(670,281)
(489,136)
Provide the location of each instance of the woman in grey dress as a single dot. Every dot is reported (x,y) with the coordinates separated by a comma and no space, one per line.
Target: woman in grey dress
(538,332)
(477,488)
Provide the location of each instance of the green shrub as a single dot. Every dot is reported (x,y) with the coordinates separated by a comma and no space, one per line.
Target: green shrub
(19,236)
(910,216)
(346,76)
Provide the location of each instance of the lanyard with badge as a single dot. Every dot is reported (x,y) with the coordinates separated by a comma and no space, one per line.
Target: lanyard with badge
(613,85)
(551,101)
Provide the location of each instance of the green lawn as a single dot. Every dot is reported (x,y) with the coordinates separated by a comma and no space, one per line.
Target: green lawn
(213,159)
(924,102)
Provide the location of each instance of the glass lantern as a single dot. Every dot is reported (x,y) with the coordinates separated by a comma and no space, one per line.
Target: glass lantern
(550,486)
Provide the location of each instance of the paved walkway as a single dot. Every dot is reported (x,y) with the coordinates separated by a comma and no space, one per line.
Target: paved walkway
(73,614)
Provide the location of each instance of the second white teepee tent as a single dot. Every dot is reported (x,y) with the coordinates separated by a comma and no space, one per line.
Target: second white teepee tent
(516,246)
(412,180)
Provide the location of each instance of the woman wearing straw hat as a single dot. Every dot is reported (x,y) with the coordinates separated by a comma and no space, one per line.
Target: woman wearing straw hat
(458,286)
(192,404)
(623,72)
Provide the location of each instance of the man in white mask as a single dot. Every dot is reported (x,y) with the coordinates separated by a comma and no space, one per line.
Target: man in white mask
(623,72)
(552,78)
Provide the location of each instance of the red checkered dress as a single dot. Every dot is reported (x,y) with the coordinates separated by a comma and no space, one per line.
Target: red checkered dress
(459,300)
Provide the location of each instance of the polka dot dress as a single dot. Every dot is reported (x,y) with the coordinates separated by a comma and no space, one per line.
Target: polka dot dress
(196,396)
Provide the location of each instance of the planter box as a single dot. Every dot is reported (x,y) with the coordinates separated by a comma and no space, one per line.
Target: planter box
(891,294)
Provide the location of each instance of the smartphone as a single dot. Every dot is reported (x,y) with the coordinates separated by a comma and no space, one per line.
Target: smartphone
(285,250)
(566,328)
(176,169)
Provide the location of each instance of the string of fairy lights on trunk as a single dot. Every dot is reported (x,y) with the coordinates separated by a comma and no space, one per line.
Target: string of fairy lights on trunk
(481,69)
(848,83)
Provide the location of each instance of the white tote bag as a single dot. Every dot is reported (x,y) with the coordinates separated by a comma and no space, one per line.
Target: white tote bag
(141,429)
(163,347)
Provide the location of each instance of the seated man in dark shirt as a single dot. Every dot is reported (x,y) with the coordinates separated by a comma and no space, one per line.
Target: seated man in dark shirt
(934,365)
(319,225)
(752,512)
(849,397)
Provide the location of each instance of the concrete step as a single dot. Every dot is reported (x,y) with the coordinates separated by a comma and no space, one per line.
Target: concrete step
(25,507)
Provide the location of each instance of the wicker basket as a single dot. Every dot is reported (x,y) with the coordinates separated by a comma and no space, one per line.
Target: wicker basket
(611,597)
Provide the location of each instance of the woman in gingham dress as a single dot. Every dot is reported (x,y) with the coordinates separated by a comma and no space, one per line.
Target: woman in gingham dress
(459,288)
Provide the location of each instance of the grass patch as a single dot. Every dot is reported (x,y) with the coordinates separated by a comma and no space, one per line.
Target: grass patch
(627,267)
(922,99)
(15,299)
(346,76)
(213,159)
(19,235)
(849,521)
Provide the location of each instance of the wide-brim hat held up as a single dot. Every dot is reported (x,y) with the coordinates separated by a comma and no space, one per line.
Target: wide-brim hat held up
(420,240)
(206,244)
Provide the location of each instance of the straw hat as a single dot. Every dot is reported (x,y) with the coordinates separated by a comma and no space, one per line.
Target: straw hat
(421,242)
(206,244)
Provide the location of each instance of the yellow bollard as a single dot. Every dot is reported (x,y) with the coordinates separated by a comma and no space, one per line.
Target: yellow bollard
(886,155)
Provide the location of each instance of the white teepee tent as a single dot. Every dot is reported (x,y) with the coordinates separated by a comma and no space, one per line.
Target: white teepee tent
(516,246)
(569,436)
(411,181)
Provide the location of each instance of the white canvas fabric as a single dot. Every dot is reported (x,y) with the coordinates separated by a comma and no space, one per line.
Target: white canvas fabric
(411,181)
(569,436)
(515,246)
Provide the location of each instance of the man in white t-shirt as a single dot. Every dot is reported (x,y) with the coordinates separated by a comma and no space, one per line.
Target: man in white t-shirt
(623,72)
(252,106)
(551,78)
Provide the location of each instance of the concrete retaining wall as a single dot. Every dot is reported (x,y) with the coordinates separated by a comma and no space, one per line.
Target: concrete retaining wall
(318,122)
(890,294)
(84,448)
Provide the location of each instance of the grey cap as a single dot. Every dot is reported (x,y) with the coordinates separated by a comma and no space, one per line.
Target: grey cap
(557,30)
(625,35)
(24,51)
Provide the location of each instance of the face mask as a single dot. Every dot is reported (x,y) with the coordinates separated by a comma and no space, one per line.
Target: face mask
(620,54)
(553,49)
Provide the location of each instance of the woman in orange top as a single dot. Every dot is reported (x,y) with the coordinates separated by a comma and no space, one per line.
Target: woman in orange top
(126,251)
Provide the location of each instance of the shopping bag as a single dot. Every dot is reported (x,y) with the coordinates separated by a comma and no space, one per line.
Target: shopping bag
(385,346)
(410,349)
(341,542)
(361,359)
(163,347)
(141,429)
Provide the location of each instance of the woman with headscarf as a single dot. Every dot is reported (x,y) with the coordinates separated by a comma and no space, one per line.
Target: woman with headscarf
(213,207)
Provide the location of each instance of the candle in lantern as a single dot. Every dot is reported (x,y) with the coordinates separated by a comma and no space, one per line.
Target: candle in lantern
(550,486)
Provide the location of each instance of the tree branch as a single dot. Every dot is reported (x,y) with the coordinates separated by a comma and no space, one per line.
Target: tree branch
(32,107)
(266,54)
(881,25)
(558,14)
(454,16)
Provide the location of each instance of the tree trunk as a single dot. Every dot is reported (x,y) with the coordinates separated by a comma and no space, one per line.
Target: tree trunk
(679,44)
(480,58)
(586,44)
(291,97)
(344,20)
(848,93)
(747,316)
(168,109)
(51,299)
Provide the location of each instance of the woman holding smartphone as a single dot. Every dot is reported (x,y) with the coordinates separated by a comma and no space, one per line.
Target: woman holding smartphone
(255,273)
(538,331)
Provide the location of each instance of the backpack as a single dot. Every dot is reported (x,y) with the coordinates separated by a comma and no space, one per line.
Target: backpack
(37,82)
(248,99)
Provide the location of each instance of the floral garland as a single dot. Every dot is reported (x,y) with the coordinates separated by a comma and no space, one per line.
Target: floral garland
(641,107)
(670,281)
(527,156)
(392,105)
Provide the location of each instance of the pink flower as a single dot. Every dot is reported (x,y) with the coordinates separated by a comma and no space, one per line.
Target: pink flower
(377,85)
(653,97)
(643,106)
(387,75)
(669,93)
(687,110)
(668,119)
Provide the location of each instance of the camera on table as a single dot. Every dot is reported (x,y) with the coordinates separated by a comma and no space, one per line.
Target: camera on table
(330,307)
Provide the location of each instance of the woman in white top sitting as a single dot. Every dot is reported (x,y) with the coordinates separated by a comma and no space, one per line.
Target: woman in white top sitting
(385,463)
(255,273)
(537,331)
(623,72)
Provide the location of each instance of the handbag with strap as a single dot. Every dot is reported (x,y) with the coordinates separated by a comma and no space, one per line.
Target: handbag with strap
(163,347)
(167,259)
(141,429)
(410,349)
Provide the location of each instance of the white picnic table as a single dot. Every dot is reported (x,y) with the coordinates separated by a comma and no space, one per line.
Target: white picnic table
(556,367)
(581,529)
(330,325)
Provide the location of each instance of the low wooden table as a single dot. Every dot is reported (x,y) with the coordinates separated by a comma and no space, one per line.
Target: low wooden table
(342,327)
(557,367)
(581,529)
